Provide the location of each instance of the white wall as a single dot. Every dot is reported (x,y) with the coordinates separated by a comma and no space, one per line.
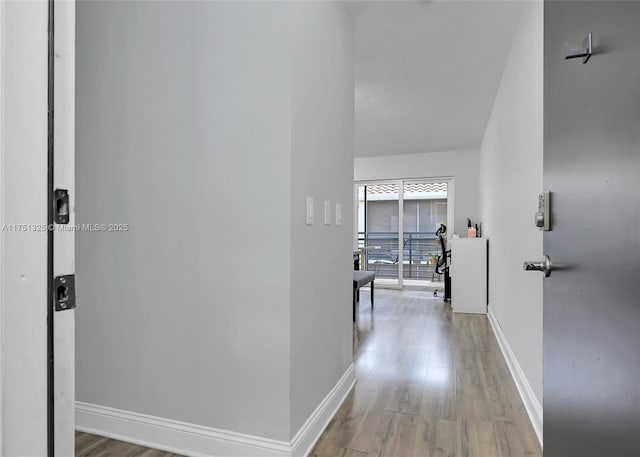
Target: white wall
(511,163)
(186,315)
(322,167)
(204,126)
(462,165)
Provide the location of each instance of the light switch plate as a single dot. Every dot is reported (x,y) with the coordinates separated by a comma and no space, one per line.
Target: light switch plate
(309,210)
(327,212)
(338,214)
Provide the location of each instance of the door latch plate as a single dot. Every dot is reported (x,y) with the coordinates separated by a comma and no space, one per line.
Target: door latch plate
(61,206)
(64,292)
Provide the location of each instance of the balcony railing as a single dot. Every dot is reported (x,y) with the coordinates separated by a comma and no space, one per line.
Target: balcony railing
(420,253)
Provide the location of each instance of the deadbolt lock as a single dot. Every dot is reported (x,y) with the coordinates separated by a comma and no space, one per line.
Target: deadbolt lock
(542,218)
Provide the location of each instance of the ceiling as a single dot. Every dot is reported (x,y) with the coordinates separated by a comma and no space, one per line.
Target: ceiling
(427,73)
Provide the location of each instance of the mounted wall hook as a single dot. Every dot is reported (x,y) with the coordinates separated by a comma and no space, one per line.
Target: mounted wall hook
(585,52)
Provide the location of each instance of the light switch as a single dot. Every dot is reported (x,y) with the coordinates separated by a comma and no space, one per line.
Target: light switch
(309,210)
(338,214)
(327,212)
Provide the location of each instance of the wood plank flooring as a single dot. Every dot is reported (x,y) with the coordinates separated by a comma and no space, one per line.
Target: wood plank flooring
(88,445)
(430,384)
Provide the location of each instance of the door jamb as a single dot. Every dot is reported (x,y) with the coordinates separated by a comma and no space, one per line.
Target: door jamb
(50,291)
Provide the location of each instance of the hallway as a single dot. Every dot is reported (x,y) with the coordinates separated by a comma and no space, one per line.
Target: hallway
(430,384)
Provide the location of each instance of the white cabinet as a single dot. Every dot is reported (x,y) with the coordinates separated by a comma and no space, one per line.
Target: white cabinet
(468,272)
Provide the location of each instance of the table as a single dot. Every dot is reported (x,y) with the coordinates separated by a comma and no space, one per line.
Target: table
(358,255)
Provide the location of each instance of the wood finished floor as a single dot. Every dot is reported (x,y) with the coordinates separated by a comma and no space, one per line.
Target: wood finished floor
(88,445)
(430,384)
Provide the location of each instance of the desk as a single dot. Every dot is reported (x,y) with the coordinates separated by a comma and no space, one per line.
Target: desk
(358,257)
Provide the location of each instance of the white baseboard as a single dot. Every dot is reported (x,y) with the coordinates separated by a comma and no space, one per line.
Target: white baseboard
(196,440)
(531,403)
(303,441)
(173,436)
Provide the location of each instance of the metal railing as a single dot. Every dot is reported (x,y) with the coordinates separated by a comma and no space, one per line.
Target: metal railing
(420,253)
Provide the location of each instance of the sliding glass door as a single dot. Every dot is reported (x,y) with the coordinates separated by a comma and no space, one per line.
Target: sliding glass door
(378,230)
(397,223)
(425,209)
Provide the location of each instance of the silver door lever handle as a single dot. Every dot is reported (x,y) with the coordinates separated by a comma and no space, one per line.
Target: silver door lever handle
(544,266)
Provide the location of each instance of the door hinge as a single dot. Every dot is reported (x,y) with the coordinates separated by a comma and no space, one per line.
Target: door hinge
(64,292)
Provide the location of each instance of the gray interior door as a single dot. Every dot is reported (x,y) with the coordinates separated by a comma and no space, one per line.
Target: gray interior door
(592,168)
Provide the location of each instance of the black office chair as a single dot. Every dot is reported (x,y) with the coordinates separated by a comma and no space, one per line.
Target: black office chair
(442,264)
